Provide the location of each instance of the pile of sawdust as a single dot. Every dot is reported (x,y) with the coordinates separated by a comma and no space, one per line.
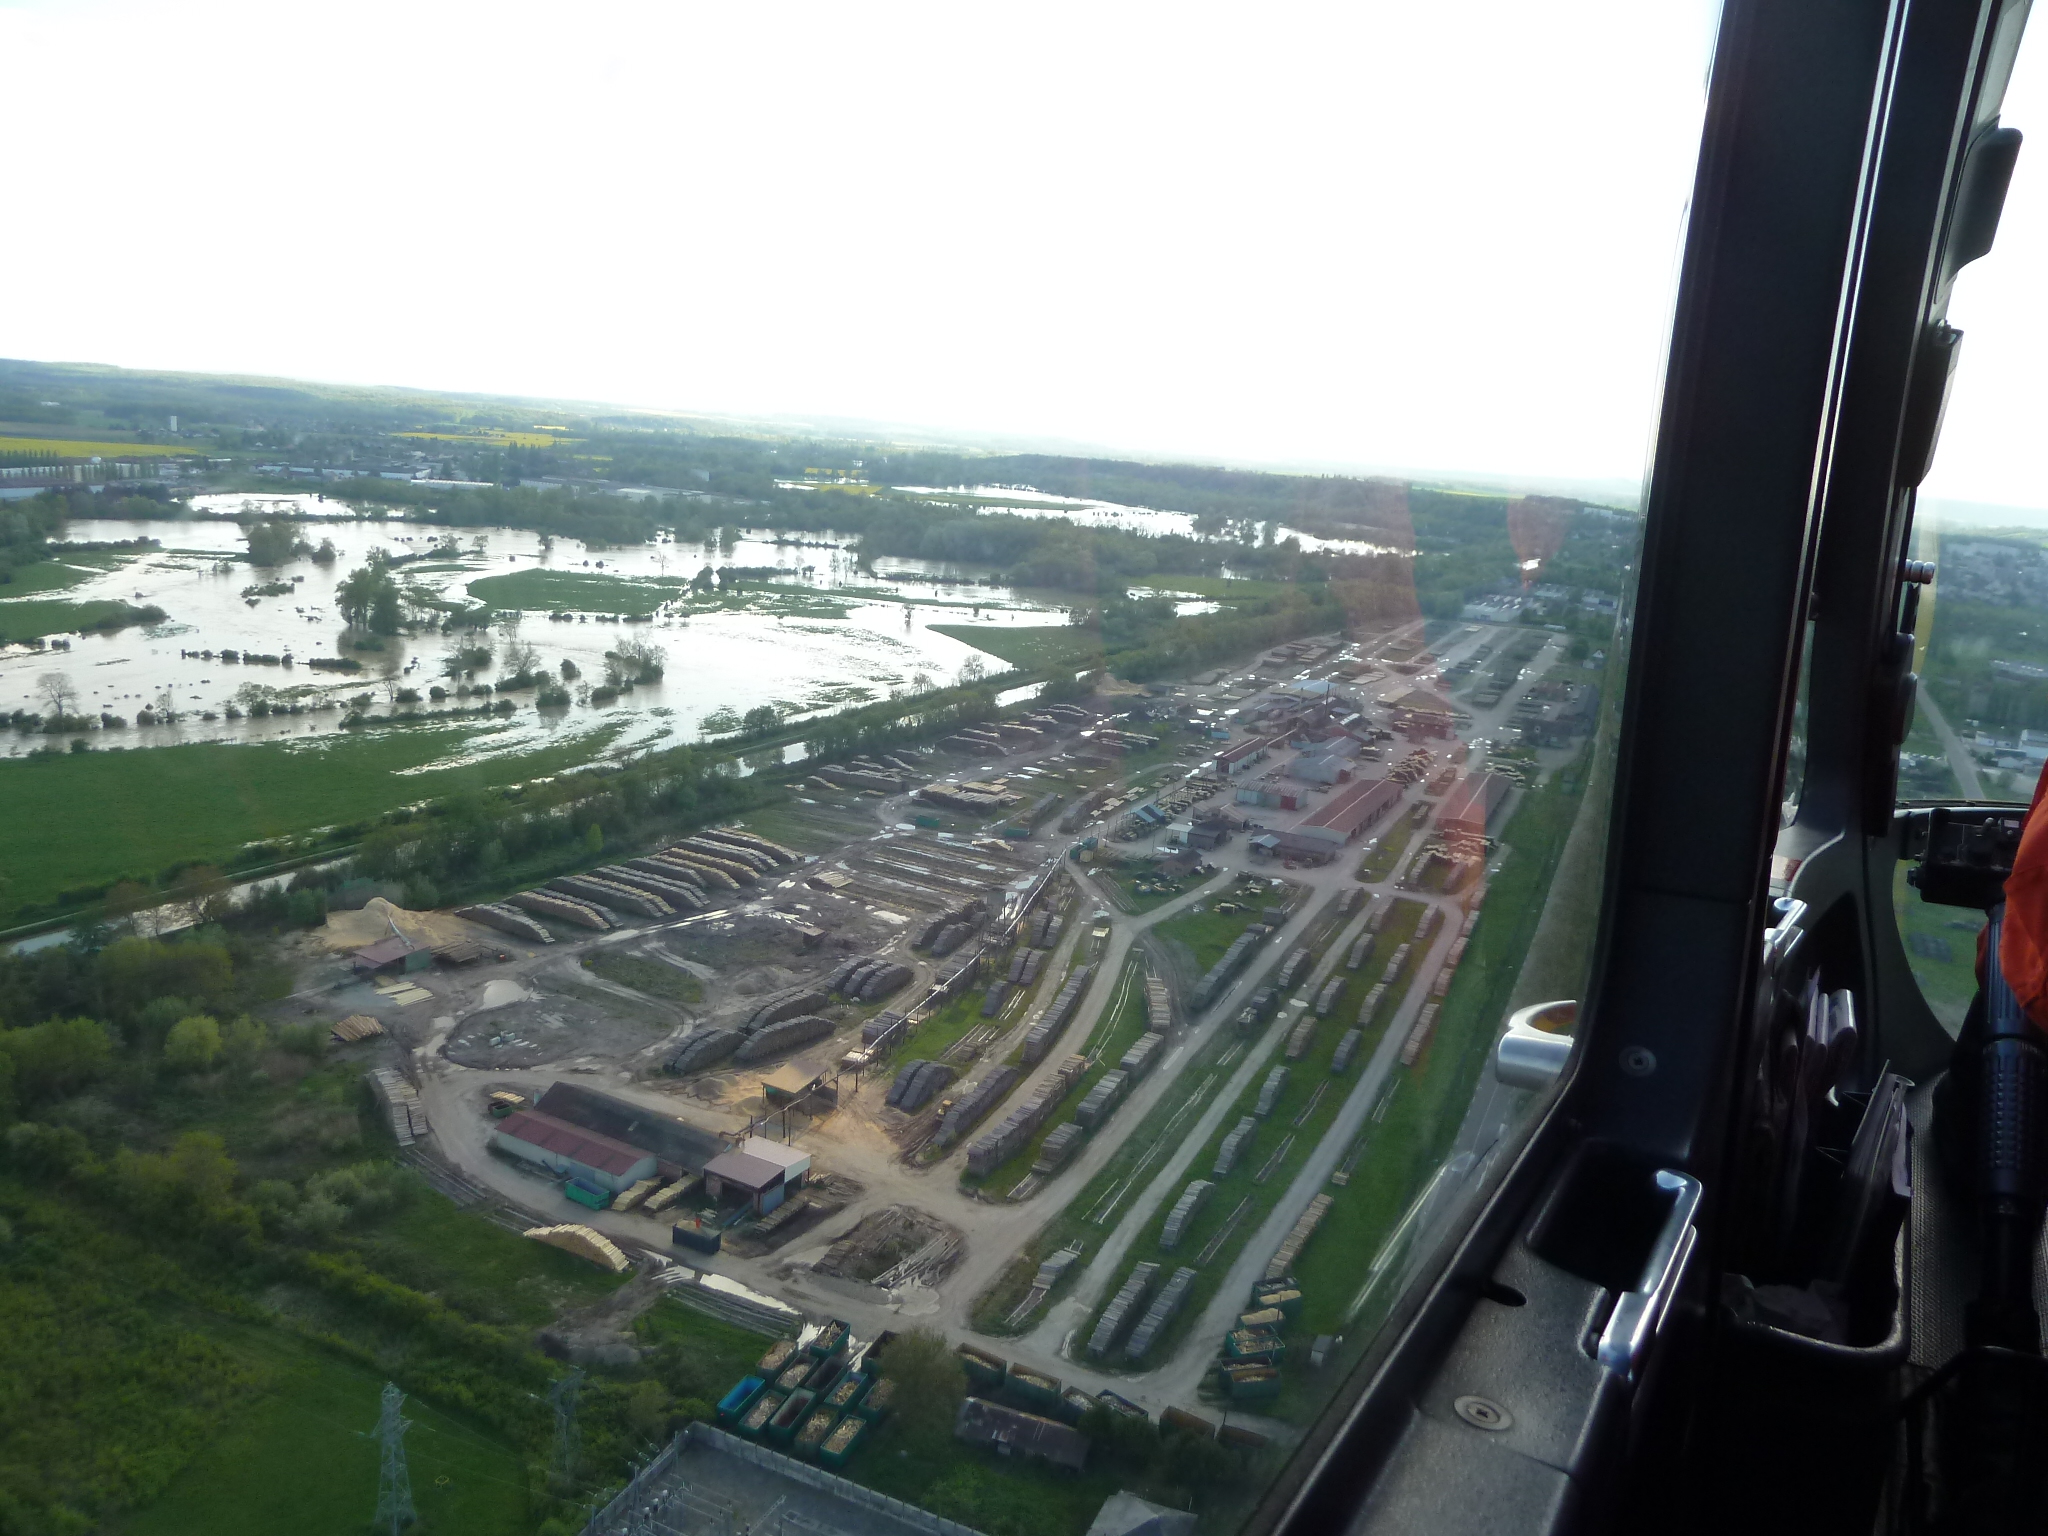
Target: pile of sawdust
(353,930)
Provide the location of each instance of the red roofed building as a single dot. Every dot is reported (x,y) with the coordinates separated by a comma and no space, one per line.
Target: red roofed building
(1471,805)
(1343,816)
(532,1136)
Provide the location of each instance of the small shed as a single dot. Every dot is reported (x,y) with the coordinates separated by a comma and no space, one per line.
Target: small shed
(392,954)
(795,1165)
(789,1083)
(753,1179)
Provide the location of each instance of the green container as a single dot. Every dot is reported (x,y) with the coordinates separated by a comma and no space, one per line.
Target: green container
(777,1357)
(1284,1296)
(846,1434)
(983,1369)
(810,1438)
(1075,1405)
(851,1388)
(583,1194)
(1260,1344)
(795,1374)
(1033,1390)
(831,1339)
(880,1398)
(754,1422)
(925,821)
(1249,1383)
(794,1410)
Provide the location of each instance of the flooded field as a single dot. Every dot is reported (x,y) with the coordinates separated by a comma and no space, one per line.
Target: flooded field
(1023,501)
(818,635)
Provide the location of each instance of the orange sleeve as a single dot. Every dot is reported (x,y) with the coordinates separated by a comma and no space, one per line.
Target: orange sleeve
(2023,948)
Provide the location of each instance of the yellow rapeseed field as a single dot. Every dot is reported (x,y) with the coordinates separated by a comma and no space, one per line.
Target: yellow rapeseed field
(56,448)
(495,439)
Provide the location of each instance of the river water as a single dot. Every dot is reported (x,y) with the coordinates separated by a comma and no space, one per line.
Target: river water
(714,661)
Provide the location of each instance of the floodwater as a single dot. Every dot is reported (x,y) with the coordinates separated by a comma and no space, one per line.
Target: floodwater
(731,660)
(1092,513)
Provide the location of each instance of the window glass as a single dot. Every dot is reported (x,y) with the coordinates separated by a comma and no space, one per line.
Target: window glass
(1980,725)
(981,828)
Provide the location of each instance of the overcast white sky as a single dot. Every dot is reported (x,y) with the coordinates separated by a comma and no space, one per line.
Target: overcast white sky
(1437,237)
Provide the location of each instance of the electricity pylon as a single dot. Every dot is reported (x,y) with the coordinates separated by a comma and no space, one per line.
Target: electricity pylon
(394,1483)
(562,1398)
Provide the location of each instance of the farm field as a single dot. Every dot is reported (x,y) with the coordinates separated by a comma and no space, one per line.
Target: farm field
(495,437)
(83,448)
(206,801)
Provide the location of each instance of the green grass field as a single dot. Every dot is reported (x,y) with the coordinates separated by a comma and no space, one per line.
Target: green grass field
(477,1265)
(594,592)
(1379,862)
(1139,888)
(933,1035)
(1028,647)
(1001,1496)
(56,575)
(1941,947)
(584,591)
(656,978)
(294,1460)
(1206,934)
(152,808)
(34,617)
(710,1355)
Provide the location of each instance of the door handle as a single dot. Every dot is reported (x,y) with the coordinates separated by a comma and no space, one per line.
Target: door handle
(1638,1313)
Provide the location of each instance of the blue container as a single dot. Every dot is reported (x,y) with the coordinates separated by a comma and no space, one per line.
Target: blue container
(734,1403)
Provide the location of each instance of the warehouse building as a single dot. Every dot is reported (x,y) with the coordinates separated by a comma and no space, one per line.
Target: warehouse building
(1471,805)
(569,1151)
(1346,814)
(1233,761)
(679,1147)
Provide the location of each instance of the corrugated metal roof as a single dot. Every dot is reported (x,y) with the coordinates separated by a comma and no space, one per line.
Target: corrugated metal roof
(572,1141)
(749,1173)
(1348,809)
